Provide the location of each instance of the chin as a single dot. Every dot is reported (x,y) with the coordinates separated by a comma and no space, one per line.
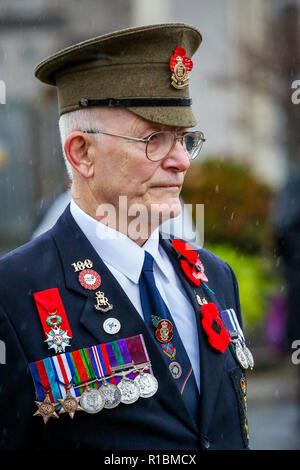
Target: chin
(168,209)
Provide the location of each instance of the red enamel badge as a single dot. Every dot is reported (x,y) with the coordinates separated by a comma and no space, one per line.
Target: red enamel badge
(164,331)
(89,279)
(213,326)
(186,61)
(190,262)
(180,65)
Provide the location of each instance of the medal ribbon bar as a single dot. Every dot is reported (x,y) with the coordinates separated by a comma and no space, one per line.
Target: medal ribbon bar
(75,370)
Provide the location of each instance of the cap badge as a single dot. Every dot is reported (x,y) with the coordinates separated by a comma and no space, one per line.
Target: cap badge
(180,65)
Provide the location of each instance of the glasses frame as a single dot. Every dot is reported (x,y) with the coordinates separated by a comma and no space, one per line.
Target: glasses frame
(146,140)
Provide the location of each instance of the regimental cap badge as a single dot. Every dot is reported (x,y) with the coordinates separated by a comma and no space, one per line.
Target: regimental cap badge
(180,65)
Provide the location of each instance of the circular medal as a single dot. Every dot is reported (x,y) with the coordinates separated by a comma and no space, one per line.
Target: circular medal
(240,355)
(130,392)
(112,395)
(111,326)
(89,279)
(164,331)
(147,384)
(92,400)
(175,369)
(249,356)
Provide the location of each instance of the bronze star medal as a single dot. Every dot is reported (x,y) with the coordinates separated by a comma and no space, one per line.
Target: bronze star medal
(69,404)
(46,409)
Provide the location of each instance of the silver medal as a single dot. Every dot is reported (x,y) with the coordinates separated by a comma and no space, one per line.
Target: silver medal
(130,392)
(249,356)
(240,355)
(147,384)
(112,395)
(92,400)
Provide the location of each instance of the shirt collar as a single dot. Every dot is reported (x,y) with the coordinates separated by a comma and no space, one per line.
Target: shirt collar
(115,248)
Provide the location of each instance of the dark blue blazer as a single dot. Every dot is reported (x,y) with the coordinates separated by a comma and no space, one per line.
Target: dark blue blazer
(160,422)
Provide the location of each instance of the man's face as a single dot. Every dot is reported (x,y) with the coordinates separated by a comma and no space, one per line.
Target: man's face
(121,167)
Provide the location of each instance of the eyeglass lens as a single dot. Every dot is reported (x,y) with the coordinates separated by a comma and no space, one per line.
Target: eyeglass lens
(160,144)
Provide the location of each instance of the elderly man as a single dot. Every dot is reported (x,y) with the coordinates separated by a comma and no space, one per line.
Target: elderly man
(118,338)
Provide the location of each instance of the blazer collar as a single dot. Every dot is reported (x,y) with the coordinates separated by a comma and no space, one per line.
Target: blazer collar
(73,246)
(115,248)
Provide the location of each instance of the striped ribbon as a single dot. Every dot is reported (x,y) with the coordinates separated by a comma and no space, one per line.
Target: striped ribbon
(55,374)
(231,323)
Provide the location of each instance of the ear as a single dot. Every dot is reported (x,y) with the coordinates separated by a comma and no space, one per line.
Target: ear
(77,148)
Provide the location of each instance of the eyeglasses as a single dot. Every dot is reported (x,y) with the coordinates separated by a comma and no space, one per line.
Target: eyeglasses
(159,144)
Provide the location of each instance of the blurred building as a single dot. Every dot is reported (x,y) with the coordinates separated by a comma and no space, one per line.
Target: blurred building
(236,119)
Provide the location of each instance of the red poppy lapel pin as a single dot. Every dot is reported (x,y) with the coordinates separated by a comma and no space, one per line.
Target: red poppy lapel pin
(190,262)
(213,326)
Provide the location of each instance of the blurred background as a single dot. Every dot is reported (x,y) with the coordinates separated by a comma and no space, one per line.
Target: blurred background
(244,89)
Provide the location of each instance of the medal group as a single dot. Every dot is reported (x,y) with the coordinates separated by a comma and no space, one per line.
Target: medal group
(106,375)
(94,378)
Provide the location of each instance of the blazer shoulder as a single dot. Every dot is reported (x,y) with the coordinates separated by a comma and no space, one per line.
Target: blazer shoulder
(23,261)
(213,259)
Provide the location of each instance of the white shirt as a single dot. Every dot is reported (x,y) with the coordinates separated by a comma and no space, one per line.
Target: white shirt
(124,258)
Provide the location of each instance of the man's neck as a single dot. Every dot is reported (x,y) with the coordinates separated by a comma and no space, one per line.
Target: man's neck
(138,231)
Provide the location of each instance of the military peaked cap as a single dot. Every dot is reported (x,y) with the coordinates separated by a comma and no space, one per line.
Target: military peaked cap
(145,69)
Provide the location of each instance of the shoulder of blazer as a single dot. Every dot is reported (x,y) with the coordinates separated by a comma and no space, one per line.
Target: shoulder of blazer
(21,269)
(27,252)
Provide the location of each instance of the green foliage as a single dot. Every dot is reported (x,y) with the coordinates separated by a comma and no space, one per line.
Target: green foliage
(237,228)
(255,275)
(237,205)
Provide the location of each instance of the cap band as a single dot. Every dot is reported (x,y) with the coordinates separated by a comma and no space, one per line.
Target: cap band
(134,102)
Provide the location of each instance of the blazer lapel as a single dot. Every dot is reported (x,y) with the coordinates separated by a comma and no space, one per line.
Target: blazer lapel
(73,246)
(211,361)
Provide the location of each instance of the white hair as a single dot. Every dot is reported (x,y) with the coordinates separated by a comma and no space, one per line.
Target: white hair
(79,120)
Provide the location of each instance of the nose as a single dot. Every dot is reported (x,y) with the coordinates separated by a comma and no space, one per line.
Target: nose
(177,158)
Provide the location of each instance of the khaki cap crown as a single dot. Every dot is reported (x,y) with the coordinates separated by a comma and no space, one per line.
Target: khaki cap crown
(131,64)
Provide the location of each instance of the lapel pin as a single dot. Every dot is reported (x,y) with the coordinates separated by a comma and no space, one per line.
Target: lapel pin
(111,326)
(175,369)
(103,304)
(81,265)
(89,279)
(201,301)
(164,331)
